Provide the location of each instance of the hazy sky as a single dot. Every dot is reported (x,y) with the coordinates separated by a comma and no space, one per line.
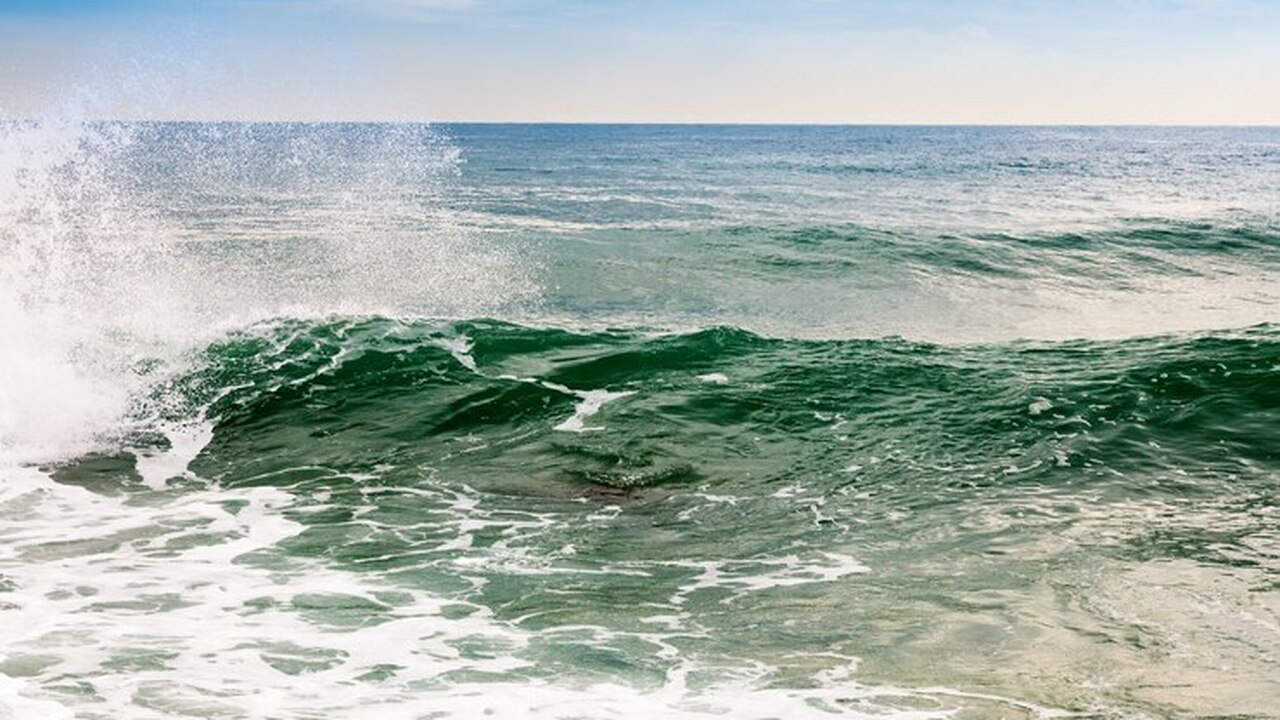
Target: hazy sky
(932,61)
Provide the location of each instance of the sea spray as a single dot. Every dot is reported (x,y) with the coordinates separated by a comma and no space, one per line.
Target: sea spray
(58,216)
(114,268)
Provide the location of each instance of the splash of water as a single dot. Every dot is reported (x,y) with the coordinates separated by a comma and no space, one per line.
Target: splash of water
(57,216)
(126,247)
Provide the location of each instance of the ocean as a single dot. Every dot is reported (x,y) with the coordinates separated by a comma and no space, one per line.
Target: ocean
(317,421)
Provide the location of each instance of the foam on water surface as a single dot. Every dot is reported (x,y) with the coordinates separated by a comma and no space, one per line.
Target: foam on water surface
(590,403)
(159,604)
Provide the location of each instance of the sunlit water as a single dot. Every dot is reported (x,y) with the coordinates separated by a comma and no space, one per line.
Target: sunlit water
(374,421)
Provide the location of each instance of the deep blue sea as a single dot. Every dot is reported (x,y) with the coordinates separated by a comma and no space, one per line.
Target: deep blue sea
(375,421)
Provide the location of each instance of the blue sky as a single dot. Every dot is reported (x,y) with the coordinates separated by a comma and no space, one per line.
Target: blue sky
(1014,61)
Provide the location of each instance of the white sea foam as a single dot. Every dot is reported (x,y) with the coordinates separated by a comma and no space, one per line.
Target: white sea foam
(460,348)
(164,584)
(179,605)
(589,404)
(747,576)
(14,705)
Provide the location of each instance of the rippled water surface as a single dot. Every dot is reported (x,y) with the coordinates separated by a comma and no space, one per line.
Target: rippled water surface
(392,421)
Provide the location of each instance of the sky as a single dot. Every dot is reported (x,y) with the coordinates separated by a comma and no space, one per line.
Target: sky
(791,61)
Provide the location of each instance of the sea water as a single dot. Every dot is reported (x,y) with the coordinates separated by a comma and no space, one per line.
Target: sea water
(409,421)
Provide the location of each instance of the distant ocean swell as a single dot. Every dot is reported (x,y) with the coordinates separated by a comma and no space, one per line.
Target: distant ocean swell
(1129,248)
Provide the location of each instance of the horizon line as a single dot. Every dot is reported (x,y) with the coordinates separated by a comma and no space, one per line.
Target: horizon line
(641,123)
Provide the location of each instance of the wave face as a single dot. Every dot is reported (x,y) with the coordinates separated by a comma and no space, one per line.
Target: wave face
(378,389)
(403,421)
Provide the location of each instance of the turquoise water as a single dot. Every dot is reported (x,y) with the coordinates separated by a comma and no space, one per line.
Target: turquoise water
(304,421)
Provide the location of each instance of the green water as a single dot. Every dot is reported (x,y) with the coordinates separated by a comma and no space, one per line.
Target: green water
(1084,525)
(396,422)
